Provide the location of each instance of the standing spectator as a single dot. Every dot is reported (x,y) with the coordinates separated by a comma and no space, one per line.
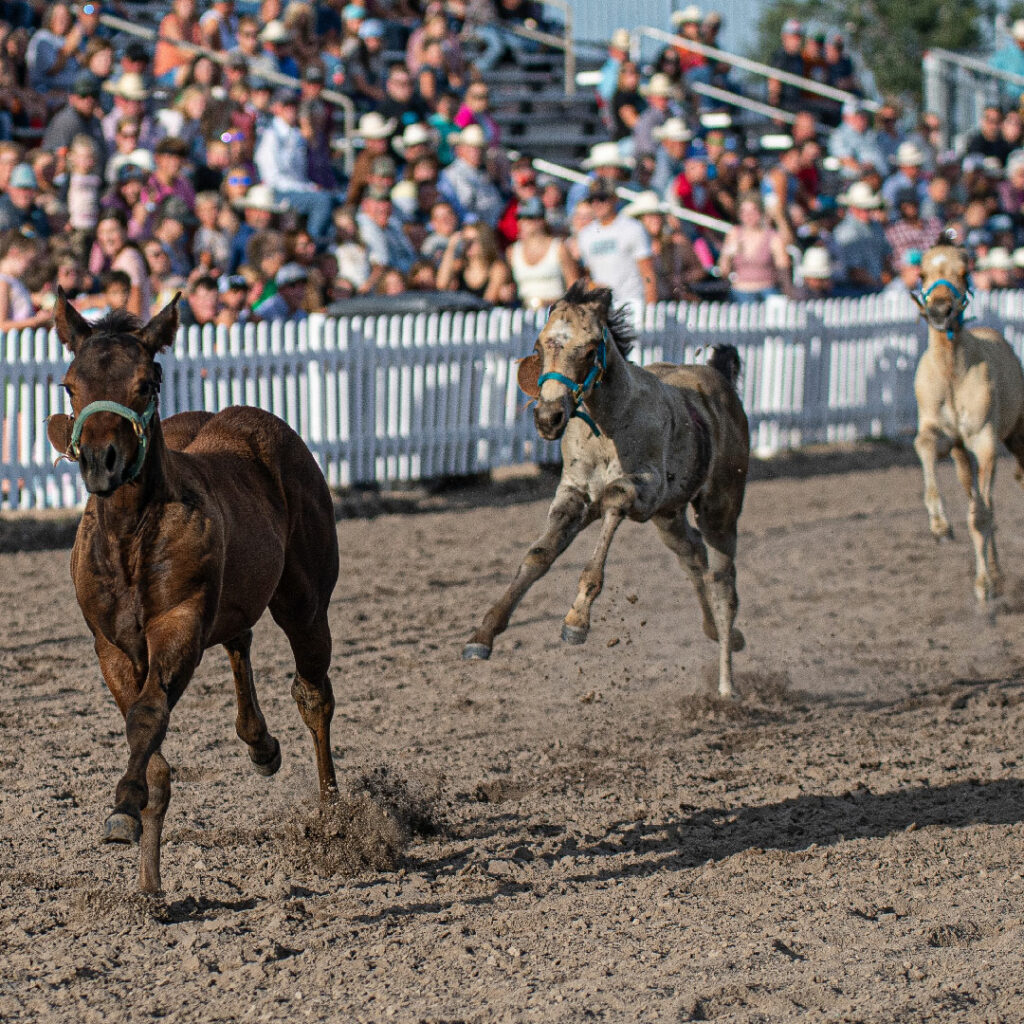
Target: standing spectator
(18,209)
(366,66)
(218,26)
(287,301)
(375,134)
(117,253)
(627,102)
(282,159)
(988,139)
(754,257)
(789,58)
(854,145)
(618,53)
(676,265)
(84,184)
(201,304)
(258,211)
(473,264)
(909,161)
(52,54)
(1011,58)
(17,311)
(616,251)
(673,137)
(661,95)
(909,230)
(475,110)
(179,23)
(861,246)
(466,183)
(815,275)
(541,265)
(382,234)
(130,95)
(888,135)
(77,118)
(694,65)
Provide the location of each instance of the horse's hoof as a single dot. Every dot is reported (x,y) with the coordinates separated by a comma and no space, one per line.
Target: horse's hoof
(267,767)
(573,634)
(737,641)
(942,536)
(476,652)
(122,828)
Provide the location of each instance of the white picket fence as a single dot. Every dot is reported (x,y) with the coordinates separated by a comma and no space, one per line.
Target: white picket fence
(386,399)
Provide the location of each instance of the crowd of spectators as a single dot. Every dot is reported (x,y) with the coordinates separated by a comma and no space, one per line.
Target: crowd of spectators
(130,172)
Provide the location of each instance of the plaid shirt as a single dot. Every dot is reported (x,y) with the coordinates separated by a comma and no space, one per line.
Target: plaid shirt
(903,236)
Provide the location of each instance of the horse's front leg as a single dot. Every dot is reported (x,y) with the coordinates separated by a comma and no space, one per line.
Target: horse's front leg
(174,651)
(927,446)
(978,480)
(577,621)
(570,512)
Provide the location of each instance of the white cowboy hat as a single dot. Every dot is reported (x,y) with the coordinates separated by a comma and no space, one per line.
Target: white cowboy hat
(860,196)
(909,154)
(275,32)
(373,126)
(687,15)
(471,135)
(606,154)
(673,130)
(261,197)
(645,202)
(142,158)
(130,86)
(816,263)
(997,258)
(415,134)
(620,39)
(1017,29)
(659,85)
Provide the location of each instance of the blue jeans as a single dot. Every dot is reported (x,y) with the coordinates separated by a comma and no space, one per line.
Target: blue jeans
(315,205)
(496,41)
(746,297)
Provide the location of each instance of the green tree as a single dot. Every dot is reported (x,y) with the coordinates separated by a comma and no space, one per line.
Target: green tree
(891,35)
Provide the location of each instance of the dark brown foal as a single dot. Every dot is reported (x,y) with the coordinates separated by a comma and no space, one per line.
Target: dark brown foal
(194,527)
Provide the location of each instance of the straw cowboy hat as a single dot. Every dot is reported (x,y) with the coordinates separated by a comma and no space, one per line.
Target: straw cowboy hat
(909,154)
(130,86)
(261,197)
(275,32)
(646,202)
(816,263)
(620,39)
(861,196)
(687,16)
(373,126)
(997,258)
(415,134)
(659,85)
(606,154)
(673,130)
(471,135)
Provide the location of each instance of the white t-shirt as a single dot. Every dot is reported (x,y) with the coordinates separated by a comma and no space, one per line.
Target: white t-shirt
(610,252)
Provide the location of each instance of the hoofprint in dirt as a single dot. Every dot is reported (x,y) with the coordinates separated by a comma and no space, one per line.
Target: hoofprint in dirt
(844,843)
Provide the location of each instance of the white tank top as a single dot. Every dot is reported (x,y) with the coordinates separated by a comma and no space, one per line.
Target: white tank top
(539,283)
(19,299)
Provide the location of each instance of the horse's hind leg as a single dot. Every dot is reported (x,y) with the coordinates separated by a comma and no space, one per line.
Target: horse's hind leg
(988,580)
(577,621)
(250,725)
(1015,442)
(569,513)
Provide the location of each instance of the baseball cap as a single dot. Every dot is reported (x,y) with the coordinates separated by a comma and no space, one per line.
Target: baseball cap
(23,177)
(792,27)
(353,11)
(373,28)
(291,273)
(131,172)
(231,281)
(86,84)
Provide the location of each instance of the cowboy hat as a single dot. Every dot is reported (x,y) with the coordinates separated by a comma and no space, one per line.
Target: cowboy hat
(673,130)
(415,134)
(645,202)
(471,135)
(861,196)
(261,197)
(606,154)
(275,32)
(620,39)
(816,263)
(997,258)
(130,86)
(373,126)
(909,154)
(659,85)
(687,16)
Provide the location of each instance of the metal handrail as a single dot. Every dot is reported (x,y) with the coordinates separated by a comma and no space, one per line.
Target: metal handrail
(578,177)
(564,42)
(735,100)
(331,96)
(753,66)
(974,64)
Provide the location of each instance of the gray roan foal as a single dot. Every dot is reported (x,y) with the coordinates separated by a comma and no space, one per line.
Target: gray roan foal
(637,443)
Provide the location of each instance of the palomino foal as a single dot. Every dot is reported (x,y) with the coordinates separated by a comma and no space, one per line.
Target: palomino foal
(970,396)
(639,444)
(180,550)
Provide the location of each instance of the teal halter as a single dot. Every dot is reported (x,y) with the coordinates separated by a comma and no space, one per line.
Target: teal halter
(140,423)
(961,299)
(579,392)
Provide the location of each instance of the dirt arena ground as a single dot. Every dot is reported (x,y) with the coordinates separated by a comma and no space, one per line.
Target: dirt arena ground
(594,837)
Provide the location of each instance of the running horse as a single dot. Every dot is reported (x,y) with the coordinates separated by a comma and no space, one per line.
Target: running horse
(644,444)
(970,397)
(193,528)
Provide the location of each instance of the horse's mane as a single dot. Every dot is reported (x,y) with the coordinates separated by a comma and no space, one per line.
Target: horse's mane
(117,321)
(617,320)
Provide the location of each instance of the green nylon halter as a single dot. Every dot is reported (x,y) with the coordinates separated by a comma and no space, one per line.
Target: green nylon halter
(140,423)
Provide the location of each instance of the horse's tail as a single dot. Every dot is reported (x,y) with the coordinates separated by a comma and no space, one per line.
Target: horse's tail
(726,360)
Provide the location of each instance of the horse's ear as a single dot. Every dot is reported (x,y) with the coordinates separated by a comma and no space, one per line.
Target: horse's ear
(529,372)
(160,332)
(602,298)
(72,327)
(58,430)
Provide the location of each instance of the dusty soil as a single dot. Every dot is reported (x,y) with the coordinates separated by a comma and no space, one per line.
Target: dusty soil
(587,833)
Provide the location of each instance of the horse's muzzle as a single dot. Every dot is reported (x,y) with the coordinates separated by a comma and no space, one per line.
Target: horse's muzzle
(102,468)
(551,418)
(939,313)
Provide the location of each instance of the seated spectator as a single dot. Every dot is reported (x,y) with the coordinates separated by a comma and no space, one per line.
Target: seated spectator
(909,230)
(988,140)
(1001,271)
(287,301)
(116,252)
(1011,191)
(171,227)
(281,156)
(693,65)
(17,311)
(1011,58)
(676,265)
(615,250)
(909,160)
(422,277)
(754,257)
(276,55)
(789,58)
(258,211)
(475,109)
(618,53)
(77,118)
(201,304)
(888,135)
(218,26)
(605,162)
(233,289)
(908,274)
(627,102)
(84,184)
(472,263)
(402,102)
(854,145)
(863,252)
(211,247)
(673,138)
(179,23)
(814,274)
(375,134)
(367,65)
(351,258)
(444,224)
(662,97)
(495,31)
(442,121)
(381,232)
(130,94)
(168,178)
(18,208)
(465,182)
(541,265)
(52,55)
